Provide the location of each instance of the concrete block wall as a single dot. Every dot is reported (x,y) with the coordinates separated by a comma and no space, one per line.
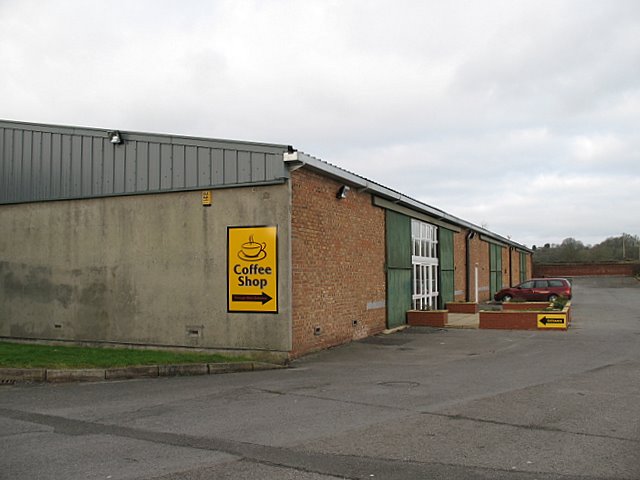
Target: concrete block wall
(338,258)
(142,269)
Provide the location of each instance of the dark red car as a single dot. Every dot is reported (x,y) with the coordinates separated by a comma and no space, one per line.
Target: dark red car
(536,289)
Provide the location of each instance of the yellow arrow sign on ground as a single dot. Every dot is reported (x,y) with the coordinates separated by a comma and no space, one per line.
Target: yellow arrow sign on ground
(552,320)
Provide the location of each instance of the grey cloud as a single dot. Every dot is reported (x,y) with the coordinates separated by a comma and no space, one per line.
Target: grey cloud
(484,109)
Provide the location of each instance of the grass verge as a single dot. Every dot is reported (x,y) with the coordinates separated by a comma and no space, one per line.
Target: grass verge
(20,355)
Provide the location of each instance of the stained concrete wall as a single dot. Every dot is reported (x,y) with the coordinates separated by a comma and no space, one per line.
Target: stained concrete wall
(145,269)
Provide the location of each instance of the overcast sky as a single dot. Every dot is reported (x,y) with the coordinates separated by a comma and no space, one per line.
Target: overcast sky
(522,116)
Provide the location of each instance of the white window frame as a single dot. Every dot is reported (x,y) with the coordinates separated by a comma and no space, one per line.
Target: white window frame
(424,260)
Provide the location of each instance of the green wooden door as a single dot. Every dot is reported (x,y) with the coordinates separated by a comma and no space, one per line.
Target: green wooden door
(523,267)
(399,269)
(495,268)
(446,261)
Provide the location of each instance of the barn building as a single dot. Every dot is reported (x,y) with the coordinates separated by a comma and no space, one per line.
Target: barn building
(139,239)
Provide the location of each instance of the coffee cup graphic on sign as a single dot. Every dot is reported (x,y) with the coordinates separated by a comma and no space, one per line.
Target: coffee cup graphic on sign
(252,251)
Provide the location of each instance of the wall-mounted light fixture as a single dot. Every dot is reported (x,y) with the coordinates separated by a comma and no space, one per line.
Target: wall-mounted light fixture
(342,192)
(115,137)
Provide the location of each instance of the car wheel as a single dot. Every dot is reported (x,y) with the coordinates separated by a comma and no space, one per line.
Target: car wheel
(507,298)
(553,298)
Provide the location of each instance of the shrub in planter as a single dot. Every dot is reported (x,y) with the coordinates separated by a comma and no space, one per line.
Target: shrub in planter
(524,306)
(559,303)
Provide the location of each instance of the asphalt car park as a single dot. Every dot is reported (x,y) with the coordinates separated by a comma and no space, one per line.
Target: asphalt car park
(422,403)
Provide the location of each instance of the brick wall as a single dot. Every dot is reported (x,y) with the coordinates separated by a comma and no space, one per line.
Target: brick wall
(505,266)
(515,267)
(479,253)
(515,256)
(338,257)
(586,269)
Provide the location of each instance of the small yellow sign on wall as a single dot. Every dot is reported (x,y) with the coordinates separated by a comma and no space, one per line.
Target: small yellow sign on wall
(252,269)
(206,198)
(552,320)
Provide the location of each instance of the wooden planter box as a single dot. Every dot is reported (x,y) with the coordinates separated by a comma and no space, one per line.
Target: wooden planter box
(522,319)
(462,307)
(427,318)
(509,320)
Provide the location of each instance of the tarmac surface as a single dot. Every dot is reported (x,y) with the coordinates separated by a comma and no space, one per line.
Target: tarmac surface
(419,404)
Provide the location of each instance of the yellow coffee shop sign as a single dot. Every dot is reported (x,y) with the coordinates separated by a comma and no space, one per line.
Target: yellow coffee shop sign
(252,269)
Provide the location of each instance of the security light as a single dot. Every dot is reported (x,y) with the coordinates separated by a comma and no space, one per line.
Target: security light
(115,137)
(342,193)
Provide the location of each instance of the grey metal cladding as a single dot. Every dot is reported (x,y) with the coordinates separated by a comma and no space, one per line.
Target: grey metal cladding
(49,162)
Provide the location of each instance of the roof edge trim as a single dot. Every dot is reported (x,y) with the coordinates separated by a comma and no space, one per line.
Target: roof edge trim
(396,207)
(135,135)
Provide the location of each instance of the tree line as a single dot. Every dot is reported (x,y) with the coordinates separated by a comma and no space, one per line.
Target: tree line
(626,247)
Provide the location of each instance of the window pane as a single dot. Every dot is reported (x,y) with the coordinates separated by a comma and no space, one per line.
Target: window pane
(425,264)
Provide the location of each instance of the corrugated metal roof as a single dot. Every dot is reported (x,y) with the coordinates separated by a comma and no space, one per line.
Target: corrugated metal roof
(51,162)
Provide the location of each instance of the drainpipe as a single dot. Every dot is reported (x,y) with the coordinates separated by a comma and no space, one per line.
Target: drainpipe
(468,238)
(476,284)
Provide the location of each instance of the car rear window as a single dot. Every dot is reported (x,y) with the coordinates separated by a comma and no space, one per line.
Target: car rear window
(542,284)
(556,283)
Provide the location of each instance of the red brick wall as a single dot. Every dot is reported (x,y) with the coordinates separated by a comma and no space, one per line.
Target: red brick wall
(479,253)
(505,265)
(515,267)
(515,259)
(509,320)
(338,258)
(586,269)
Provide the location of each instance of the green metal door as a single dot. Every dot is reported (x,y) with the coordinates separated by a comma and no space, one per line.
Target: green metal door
(399,270)
(495,268)
(523,267)
(446,261)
